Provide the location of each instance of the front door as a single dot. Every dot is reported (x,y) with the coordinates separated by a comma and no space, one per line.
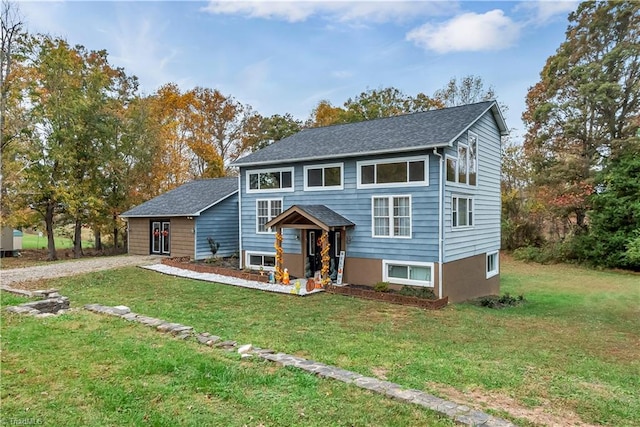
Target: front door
(314,249)
(161,237)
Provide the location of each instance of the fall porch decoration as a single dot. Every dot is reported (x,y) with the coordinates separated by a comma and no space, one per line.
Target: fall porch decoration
(279,251)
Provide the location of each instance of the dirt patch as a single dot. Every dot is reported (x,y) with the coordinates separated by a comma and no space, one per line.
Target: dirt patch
(32,257)
(545,414)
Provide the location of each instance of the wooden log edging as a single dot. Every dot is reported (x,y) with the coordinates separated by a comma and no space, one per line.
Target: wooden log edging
(428,304)
(186,264)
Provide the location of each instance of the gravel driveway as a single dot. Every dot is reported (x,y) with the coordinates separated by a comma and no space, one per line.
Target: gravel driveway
(70,268)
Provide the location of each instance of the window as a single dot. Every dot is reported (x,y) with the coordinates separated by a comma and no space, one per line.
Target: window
(312,243)
(407,273)
(323,177)
(493,264)
(406,171)
(464,168)
(337,244)
(270,180)
(266,210)
(391,216)
(256,260)
(462,212)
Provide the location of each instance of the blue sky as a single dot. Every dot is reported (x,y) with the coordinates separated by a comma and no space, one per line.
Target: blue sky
(285,56)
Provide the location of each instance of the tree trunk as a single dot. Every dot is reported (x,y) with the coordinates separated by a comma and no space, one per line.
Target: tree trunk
(77,239)
(48,220)
(115,232)
(97,239)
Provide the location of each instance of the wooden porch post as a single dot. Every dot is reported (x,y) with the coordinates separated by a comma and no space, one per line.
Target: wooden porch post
(278,247)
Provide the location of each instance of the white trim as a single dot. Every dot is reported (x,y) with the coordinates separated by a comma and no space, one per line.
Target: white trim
(395,280)
(247,259)
(323,187)
(441,180)
(470,207)
(391,217)
(496,270)
(270,190)
(407,183)
(269,216)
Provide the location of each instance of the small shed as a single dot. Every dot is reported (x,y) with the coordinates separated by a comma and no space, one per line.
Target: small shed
(183,221)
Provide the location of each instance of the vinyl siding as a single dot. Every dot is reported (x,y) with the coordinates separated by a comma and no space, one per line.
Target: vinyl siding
(355,205)
(139,234)
(181,237)
(484,236)
(221,223)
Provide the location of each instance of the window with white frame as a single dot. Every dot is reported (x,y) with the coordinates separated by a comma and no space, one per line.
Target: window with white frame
(260,260)
(391,216)
(464,168)
(393,172)
(266,210)
(493,264)
(323,177)
(408,273)
(461,212)
(270,180)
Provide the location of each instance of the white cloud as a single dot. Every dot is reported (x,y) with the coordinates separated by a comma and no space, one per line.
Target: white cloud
(341,11)
(342,74)
(545,10)
(468,32)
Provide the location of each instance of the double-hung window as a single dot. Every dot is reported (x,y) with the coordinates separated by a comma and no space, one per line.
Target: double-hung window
(269,180)
(463,169)
(391,216)
(266,210)
(406,171)
(461,212)
(323,177)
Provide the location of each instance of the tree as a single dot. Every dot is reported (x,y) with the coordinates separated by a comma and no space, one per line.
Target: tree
(613,239)
(583,109)
(369,105)
(468,90)
(264,131)
(13,124)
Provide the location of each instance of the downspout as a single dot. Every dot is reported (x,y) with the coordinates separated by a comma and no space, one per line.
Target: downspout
(194,229)
(440,222)
(241,259)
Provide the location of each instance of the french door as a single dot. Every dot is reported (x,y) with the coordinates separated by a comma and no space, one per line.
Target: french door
(161,237)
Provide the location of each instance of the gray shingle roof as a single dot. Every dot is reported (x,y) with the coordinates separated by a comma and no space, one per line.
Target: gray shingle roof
(189,199)
(319,215)
(408,132)
(327,216)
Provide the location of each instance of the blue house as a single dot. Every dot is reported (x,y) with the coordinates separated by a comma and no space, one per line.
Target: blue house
(410,200)
(179,223)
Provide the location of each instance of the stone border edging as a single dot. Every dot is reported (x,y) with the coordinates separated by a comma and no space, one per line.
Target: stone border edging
(461,414)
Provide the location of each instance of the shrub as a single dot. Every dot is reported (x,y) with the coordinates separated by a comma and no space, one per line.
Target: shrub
(417,291)
(495,301)
(381,287)
(213,246)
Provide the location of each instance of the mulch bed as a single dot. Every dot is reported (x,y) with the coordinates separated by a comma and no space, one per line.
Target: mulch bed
(359,292)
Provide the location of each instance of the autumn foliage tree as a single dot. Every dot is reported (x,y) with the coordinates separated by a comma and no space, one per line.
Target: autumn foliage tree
(583,112)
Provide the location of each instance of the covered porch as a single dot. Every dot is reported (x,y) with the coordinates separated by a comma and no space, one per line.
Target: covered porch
(322,233)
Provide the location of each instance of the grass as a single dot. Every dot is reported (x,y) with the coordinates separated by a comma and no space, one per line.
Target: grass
(33,241)
(573,348)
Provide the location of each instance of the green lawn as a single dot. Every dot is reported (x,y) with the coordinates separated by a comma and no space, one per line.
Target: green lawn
(573,348)
(33,241)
